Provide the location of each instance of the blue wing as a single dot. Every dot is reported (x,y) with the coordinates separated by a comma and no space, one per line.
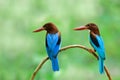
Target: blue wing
(53,42)
(98,45)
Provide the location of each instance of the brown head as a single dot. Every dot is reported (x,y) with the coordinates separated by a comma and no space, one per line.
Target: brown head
(49,27)
(90,26)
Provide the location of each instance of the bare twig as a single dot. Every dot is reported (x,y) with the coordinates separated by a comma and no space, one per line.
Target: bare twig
(38,68)
(68,47)
(107,73)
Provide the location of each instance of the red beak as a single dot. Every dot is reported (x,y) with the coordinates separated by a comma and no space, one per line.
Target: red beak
(38,30)
(81,28)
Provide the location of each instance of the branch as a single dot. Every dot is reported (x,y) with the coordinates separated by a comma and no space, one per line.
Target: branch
(68,47)
(38,68)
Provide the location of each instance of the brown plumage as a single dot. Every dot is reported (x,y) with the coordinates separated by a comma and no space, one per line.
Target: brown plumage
(93,28)
(50,28)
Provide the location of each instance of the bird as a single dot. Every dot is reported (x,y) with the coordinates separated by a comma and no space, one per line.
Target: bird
(53,43)
(96,42)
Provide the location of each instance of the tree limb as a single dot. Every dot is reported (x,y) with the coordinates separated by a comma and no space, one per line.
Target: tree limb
(68,47)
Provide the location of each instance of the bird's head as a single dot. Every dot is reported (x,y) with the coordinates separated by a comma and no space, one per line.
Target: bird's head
(49,27)
(90,26)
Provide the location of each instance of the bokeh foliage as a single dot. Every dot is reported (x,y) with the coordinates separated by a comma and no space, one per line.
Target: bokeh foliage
(21,50)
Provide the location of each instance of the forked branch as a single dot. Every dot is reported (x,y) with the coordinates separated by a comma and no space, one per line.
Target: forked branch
(68,47)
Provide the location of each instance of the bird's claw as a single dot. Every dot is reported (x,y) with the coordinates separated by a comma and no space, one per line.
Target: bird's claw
(91,50)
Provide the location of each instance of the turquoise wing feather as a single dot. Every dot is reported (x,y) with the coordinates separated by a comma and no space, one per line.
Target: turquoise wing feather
(98,45)
(53,42)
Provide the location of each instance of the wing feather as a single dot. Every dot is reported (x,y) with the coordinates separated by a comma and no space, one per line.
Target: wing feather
(53,44)
(100,49)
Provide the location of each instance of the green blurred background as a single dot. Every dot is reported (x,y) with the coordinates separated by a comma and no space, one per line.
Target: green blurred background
(21,50)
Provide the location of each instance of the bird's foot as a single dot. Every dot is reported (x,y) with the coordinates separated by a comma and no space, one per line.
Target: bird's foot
(91,50)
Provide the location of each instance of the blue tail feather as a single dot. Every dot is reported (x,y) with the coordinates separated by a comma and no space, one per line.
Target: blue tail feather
(101,65)
(55,65)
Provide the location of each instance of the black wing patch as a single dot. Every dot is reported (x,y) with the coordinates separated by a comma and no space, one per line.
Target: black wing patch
(59,40)
(46,42)
(94,40)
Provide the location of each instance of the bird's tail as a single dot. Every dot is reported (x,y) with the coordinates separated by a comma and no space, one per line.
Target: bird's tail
(55,65)
(101,65)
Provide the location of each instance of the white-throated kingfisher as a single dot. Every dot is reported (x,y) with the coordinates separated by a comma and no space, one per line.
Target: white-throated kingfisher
(53,42)
(96,41)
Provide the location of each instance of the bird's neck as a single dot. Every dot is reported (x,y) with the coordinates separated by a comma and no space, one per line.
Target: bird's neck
(52,31)
(95,32)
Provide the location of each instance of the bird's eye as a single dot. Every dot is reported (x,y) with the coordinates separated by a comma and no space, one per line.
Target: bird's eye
(88,25)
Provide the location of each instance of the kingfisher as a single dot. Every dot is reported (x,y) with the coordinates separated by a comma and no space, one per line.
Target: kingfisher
(53,42)
(96,42)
